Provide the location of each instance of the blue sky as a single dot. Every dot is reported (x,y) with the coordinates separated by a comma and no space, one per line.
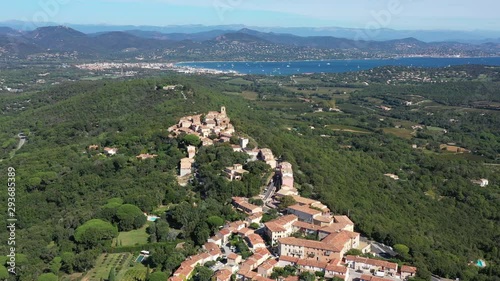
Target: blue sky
(396,14)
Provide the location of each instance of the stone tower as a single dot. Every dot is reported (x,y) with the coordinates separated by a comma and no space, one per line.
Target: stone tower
(223,110)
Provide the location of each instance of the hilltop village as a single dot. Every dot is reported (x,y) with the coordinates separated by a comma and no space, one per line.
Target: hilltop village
(305,236)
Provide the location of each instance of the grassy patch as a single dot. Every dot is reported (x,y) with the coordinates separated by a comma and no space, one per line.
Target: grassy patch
(402,133)
(248,95)
(239,81)
(134,237)
(430,128)
(350,129)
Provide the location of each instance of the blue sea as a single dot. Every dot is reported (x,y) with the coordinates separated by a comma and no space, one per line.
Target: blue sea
(334,66)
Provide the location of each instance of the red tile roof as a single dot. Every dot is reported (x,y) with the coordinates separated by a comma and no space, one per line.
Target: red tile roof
(305,209)
(223,274)
(274,227)
(309,244)
(289,259)
(408,269)
(343,219)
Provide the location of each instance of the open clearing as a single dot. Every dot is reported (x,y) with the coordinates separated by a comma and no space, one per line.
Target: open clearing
(134,237)
(350,129)
(402,133)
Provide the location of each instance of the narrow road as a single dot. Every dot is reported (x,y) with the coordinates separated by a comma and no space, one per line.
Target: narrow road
(22,141)
(270,191)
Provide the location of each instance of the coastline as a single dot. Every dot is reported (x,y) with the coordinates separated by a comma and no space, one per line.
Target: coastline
(333,66)
(349,59)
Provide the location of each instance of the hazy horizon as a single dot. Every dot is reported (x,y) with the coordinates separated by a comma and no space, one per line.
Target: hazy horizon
(391,14)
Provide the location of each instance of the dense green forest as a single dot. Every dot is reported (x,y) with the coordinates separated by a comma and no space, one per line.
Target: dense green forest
(65,191)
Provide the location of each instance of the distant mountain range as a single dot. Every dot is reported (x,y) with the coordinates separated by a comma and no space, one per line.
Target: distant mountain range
(384,34)
(218,44)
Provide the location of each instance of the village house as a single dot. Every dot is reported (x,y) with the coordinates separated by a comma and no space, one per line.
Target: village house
(191,151)
(243,205)
(235,172)
(343,240)
(267,267)
(267,156)
(360,263)
(185,167)
(222,275)
(224,234)
(333,270)
(310,249)
(286,190)
(453,148)
(146,156)
(253,154)
(311,265)
(233,259)
(255,241)
(110,151)
(304,213)
(216,240)
(93,147)
(408,271)
(286,173)
(392,176)
(244,142)
(366,277)
(280,227)
(481,182)
(236,148)
(244,232)
(311,203)
(206,141)
(254,218)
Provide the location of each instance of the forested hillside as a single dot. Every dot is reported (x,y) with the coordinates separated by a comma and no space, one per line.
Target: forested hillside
(62,186)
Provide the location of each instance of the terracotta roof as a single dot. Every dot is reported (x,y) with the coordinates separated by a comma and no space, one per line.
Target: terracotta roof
(312,263)
(269,264)
(341,237)
(209,246)
(223,274)
(336,268)
(343,219)
(274,227)
(309,244)
(335,227)
(289,259)
(255,216)
(263,252)
(232,256)
(224,231)
(255,239)
(246,231)
(305,209)
(324,219)
(408,269)
(305,225)
(304,201)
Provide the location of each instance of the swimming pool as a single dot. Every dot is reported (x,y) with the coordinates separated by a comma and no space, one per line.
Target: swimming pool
(481,263)
(140,258)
